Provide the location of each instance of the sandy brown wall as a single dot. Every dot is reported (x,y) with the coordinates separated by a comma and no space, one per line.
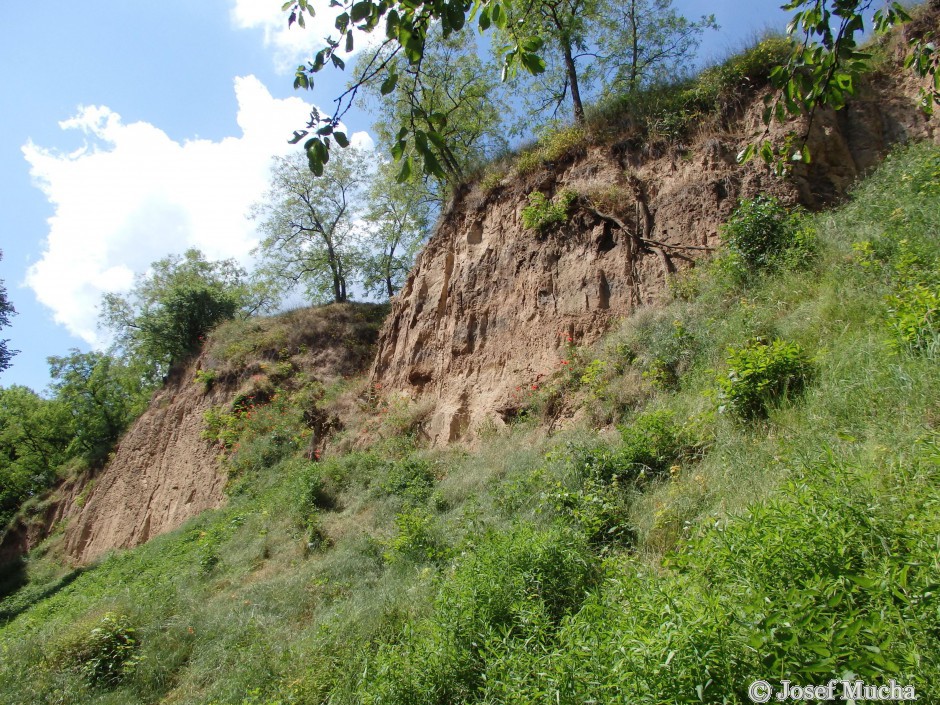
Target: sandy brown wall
(489,304)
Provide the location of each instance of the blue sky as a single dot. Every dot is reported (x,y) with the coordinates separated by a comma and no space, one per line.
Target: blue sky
(132,131)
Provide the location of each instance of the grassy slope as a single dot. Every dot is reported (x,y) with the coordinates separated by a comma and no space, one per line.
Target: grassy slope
(538,569)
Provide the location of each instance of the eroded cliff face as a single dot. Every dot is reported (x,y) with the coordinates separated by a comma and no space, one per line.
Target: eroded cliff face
(490,305)
(162,473)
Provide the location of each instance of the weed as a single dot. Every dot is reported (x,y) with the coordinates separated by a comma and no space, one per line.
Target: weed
(415,539)
(106,655)
(206,376)
(760,373)
(763,235)
(542,214)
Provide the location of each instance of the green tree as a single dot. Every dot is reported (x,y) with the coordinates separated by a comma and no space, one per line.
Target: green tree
(101,395)
(644,42)
(34,436)
(820,74)
(171,308)
(598,47)
(825,63)
(309,225)
(6,310)
(451,103)
(398,220)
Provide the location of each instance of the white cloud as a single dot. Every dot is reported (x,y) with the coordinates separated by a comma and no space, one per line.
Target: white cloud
(294,45)
(132,195)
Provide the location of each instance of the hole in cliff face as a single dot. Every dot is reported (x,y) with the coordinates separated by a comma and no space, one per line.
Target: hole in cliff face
(603,291)
(419,379)
(606,242)
(475,234)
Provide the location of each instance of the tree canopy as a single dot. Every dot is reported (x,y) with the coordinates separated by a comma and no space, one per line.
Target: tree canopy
(451,102)
(598,47)
(170,309)
(821,71)
(308,225)
(398,218)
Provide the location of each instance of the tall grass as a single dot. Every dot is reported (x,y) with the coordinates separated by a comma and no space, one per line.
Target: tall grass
(674,556)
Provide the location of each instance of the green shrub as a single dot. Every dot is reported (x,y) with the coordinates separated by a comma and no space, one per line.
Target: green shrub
(560,142)
(541,213)
(554,144)
(593,376)
(206,377)
(651,444)
(517,584)
(599,510)
(759,373)
(415,539)
(672,111)
(925,177)
(911,266)
(914,317)
(763,235)
(221,427)
(665,349)
(410,478)
(105,655)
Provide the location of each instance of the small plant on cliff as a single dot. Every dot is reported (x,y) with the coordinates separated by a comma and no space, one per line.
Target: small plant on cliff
(206,377)
(542,213)
(759,373)
(762,234)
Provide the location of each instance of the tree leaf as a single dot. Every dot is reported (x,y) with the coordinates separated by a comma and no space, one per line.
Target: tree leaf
(361,10)
(746,154)
(533,62)
(388,85)
(405,173)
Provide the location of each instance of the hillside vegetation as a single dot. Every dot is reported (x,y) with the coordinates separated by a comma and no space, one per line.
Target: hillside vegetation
(748,489)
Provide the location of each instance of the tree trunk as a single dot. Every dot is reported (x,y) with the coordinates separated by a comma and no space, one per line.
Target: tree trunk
(388,268)
(634,49)
(573,82)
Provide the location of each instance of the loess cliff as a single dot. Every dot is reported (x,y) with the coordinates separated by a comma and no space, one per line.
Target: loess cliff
(491,304)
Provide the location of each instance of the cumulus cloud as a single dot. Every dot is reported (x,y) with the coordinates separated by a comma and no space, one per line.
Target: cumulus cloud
(132,195)
(293,45)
